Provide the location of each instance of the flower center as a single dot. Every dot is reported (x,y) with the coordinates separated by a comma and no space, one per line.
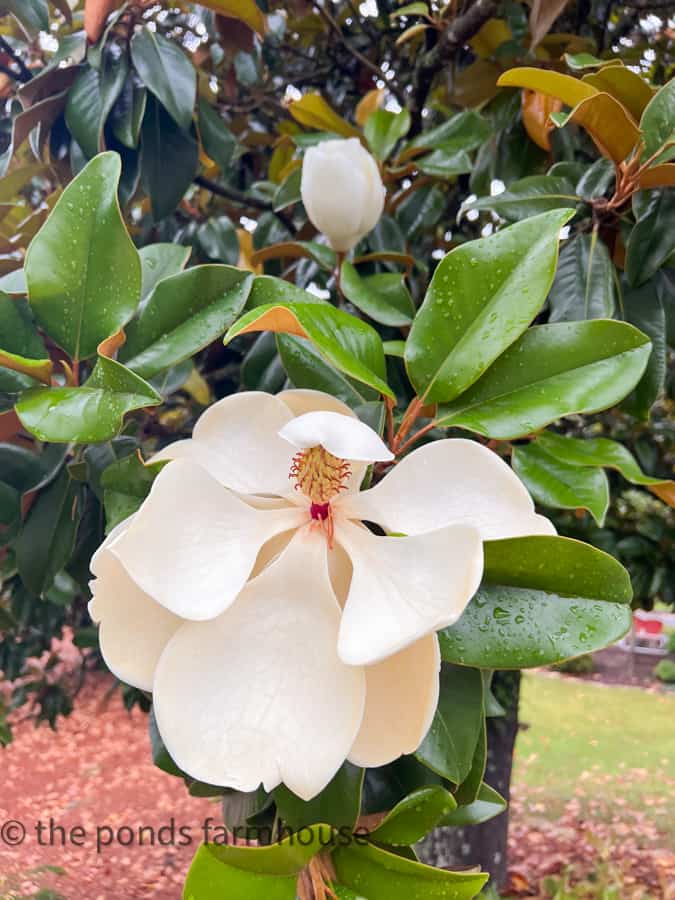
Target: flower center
(320,476)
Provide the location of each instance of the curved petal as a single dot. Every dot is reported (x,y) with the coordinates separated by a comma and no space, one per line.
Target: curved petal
(343,436)
(102,551)
(453,481)
(404,588)
(134,630)
(193,543)
(259,694)
(304,400)
(236,440)
(401,700)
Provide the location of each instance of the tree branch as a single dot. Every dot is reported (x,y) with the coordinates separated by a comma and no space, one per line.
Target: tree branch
(458,32)
(243,199)
(24,74)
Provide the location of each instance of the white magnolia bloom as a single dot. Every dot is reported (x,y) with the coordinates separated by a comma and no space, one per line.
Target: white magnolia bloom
(342,191)
(278,634)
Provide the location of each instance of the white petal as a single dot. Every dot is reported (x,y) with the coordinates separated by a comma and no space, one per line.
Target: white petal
(259,694)
(404,588)
(401,700)
(304,400)
(237,441)
(111,538)
(193,543)
(134,629)
(344,437)
(450,482)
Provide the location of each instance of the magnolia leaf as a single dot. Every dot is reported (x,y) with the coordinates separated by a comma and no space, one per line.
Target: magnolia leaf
(597,452)
(383,297)
(344,341)
(543,599)
(160,261)
(312,111)
(487,805)
(82,269)
(658,120)
(449,747)
(183,314)
(550,372)
(542,16)
(380,875)
(482,297)
(554,483)
(212,877)
(86,414)
(384,129)
(338,804)
(570,90)
(527,197)
(613,131)
(625,86)
(46,540)
(367,105)
(414,816)
(167,72)
(583,287)
(246,11)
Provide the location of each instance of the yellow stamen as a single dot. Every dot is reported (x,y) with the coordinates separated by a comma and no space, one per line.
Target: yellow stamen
(319,475)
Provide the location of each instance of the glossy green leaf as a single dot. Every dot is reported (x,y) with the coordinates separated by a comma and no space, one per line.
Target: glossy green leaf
(159,261)
(376,874)
(554,483)
(596,452)
(583,287)
(464,131)
(179,153)
(644,308)
(184,313)
(217,239)
(82,269)
(443,163)
(658,120)
(411,9)
(114,71)
(127,114)
(288,191)
(467,791)
(421,210)
(384,129)
(20,468)
(306,368)
(167,72)
(384,297)
(210,877)
(338,804)
(217,139)
(552,371)
(597,179)
(394,348)
(449,746)
(84,111)
(487,805)
(482,297)
(286,857)
(415,816)
(350,345)
(528,196)
(126,483)
(86,414)
(48,535)
(261,367)
(543,599)
(652,239)
(18,334)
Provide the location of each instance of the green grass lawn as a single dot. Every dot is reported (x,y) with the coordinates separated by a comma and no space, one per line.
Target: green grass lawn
(606,746)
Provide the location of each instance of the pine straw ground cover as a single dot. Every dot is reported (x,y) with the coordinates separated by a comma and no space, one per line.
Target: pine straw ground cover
(96,772)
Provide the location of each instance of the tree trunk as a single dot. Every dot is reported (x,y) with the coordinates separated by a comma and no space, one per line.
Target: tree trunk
(485,845)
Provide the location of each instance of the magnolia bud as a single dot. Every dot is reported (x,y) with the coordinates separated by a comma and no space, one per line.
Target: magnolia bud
(342,191)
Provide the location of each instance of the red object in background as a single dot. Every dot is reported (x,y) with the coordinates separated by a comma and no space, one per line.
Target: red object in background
(647,626)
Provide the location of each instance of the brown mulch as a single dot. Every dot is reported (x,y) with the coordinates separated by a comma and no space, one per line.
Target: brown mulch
(95,775)
(617,666)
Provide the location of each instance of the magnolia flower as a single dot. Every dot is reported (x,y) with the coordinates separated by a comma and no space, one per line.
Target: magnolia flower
(278,634)
(342,191)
